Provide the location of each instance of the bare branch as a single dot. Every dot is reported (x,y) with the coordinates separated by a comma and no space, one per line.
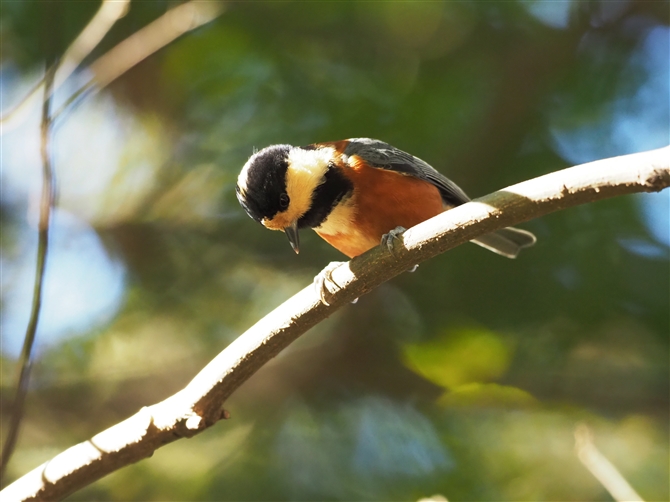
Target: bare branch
(46,204)
(198,405)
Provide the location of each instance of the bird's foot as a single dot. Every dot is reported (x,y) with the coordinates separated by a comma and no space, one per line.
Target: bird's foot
(324,279)
(389,239)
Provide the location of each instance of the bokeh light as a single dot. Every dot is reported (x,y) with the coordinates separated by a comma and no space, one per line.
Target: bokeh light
(467,378)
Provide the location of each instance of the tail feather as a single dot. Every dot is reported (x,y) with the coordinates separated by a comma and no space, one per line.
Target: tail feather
(507,241)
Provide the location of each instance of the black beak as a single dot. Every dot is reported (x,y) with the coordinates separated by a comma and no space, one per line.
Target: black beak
(293,237)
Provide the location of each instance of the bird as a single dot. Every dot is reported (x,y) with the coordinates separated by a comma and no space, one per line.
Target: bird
(355,194)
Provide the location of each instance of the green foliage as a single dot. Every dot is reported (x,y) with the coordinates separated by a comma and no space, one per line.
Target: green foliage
(459,357)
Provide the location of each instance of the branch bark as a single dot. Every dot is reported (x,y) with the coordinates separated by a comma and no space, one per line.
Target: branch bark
(198,405)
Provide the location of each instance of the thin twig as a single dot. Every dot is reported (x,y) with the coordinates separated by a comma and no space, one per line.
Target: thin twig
(111,65)
(601,468)
(143,43)
(46,204)
(122,57)
(153,37)
(198,405)
(109,13)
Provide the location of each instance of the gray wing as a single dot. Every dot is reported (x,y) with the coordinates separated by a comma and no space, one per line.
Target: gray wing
(384,156)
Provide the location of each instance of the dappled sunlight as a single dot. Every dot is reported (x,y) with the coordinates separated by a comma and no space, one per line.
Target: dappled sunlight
(555,14)
(106,160)
(379,442)
(628,123)
(396,440)
(106,164)
(84,284)
(655,209)
(466,378)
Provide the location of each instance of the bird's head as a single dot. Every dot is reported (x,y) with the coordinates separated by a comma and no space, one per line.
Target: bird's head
(287,188)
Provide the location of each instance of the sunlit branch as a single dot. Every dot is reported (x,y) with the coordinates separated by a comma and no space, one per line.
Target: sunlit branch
(46,204)
(144,43)
(198,405)
(109,13)
(151,38)
(601,468)
(122,57)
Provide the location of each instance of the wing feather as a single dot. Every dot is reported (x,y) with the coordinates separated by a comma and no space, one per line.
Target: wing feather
(384,156)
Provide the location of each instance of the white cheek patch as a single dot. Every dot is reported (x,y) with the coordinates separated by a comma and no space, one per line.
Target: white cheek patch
(306,171)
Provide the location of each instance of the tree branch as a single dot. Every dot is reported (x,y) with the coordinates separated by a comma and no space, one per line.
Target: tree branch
(145,42)
(122,57)
(601,468)
(110,12)
(198,405)
(46,205)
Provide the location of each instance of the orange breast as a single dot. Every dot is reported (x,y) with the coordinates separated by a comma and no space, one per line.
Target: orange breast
(382,200)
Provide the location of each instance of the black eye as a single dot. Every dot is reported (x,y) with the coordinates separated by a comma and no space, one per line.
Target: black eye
(284,200)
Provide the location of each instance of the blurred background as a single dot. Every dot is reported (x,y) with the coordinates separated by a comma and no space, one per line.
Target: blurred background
(465,379)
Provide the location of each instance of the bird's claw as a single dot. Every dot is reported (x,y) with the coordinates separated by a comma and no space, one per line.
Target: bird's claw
(323,278)
(389,239)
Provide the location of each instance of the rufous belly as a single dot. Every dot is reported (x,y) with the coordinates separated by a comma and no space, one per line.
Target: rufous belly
(382,200)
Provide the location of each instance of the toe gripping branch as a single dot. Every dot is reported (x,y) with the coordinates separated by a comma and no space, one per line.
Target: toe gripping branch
(324,284)
(389,240)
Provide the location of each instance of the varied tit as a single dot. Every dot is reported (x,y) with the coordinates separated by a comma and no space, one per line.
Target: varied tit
(353,193)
